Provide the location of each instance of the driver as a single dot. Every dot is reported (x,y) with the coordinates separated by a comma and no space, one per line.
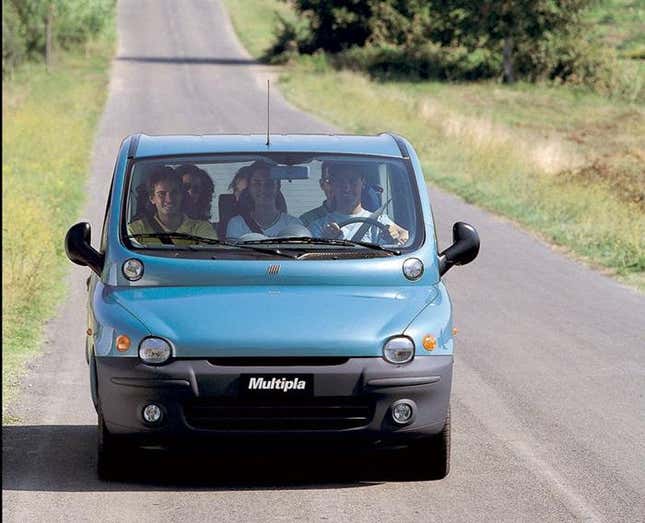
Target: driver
(347,181)
(326,207)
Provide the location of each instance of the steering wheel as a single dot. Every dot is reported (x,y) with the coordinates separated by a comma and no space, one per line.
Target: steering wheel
(371,221)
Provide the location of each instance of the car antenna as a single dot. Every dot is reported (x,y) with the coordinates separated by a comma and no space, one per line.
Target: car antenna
(268,114)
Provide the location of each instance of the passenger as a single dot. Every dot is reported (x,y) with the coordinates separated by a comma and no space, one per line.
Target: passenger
(325,208)
(199,191)
(264,217)
(240,182)
(166,195)
(347,182)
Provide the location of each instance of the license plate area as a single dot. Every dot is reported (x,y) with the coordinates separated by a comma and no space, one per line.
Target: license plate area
(276,385)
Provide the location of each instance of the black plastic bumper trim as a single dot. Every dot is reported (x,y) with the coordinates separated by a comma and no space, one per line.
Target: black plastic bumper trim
(150,383)
(403,382)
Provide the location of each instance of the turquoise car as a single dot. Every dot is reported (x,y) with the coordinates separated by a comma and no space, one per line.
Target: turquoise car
(252,289)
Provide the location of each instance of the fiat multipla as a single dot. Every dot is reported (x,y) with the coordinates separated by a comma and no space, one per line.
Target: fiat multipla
(246,288)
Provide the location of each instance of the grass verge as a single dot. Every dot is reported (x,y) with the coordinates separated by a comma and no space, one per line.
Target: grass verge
(562,162)
(254,22)
(620,24)
(48,124)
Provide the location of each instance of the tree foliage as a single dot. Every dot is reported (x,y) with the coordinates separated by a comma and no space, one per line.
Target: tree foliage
(24,26)
(335,24)
(452,39)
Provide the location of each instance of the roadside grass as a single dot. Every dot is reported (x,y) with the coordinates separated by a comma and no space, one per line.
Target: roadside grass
(563,162)
(261,17)
(621,24)
(48,124)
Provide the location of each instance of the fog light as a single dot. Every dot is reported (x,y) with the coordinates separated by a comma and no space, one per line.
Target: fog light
(152,413)
(402,412)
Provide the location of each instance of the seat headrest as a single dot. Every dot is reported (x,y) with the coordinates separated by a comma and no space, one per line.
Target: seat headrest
(371,197)
(143,205)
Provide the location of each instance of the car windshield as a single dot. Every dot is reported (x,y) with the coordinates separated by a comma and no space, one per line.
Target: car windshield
(262,203)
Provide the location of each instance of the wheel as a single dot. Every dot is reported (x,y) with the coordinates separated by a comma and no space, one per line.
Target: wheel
(429,458)
(111,453)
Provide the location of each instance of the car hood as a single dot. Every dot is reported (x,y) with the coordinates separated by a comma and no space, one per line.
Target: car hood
(285,321)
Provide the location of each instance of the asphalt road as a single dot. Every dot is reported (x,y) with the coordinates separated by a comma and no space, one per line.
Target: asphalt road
(548,407)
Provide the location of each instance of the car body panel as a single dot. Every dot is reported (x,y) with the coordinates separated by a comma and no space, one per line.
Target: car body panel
(218,307)
(381,145)
(254,320)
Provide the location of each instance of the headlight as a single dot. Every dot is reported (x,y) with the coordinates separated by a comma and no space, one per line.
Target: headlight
(399,350)
(154,350)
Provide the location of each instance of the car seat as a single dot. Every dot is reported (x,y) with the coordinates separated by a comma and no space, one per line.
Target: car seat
(143,205)
(227,208)
(371,197)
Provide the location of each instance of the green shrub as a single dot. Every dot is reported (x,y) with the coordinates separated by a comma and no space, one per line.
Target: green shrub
(317,62)
(577,60)
(24,26)
(14,46)
(425,61)
(30,21)
(289,38)
(570,60)
(78,21)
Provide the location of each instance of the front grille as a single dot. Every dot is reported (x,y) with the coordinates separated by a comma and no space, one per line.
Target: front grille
(309,414)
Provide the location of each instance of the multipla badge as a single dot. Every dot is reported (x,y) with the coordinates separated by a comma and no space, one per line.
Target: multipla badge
(283,384)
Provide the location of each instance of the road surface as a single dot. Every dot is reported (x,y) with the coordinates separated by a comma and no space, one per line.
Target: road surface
(548,407)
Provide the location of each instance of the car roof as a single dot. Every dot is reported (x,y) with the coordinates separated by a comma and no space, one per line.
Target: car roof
(168,145)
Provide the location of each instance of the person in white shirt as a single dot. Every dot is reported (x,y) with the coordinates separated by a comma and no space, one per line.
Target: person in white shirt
(264,217)
(347,182)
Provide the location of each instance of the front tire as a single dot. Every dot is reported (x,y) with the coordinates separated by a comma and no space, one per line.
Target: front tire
(429,458)
(111,453)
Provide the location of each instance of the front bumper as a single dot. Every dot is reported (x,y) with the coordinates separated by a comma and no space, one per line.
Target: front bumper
(202,398)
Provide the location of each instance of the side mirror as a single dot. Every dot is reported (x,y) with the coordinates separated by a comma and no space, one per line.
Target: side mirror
(464,249)
(79,249)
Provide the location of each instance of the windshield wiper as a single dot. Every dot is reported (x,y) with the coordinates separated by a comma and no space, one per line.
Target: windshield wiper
(323,241)
(208,241)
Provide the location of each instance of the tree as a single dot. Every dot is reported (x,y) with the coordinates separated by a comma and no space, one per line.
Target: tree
(522,24)
(476,37)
